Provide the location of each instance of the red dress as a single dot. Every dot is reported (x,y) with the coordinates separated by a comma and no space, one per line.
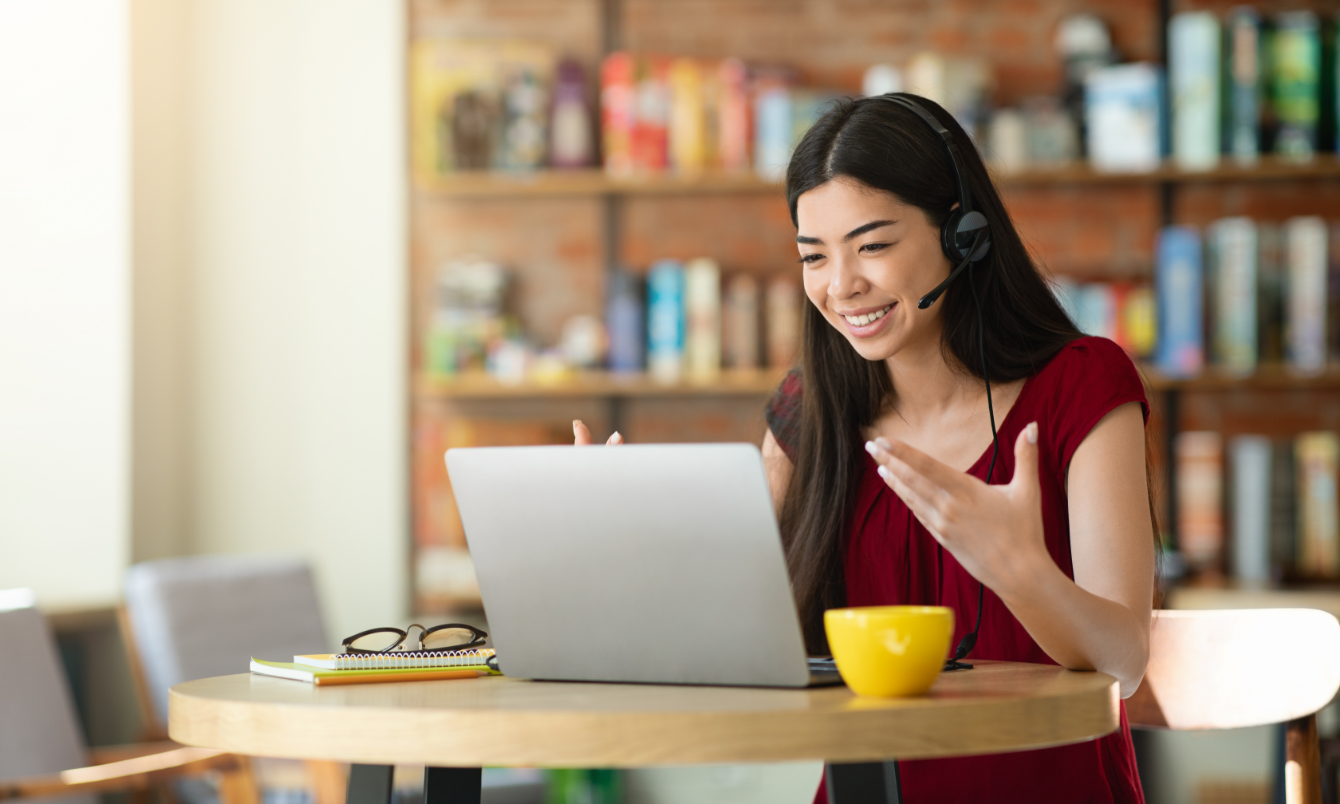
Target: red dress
(891,559)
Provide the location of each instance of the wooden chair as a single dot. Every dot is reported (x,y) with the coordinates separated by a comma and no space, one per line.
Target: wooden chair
(202,616)
(1232,669)
(41,752)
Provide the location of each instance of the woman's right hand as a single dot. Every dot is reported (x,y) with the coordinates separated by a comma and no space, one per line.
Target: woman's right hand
(581,435)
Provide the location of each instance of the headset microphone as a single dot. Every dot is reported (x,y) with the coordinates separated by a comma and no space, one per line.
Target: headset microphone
(934,295)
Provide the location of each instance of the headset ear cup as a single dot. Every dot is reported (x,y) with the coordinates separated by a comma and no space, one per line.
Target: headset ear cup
(949,236)
(967,227)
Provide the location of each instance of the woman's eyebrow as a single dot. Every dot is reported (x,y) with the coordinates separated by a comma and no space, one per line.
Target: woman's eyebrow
(857,232)
(860,230)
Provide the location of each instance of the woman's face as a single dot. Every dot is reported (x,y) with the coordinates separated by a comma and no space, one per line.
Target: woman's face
(867,258)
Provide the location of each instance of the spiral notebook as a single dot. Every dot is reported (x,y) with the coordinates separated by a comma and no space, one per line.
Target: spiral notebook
(400,660)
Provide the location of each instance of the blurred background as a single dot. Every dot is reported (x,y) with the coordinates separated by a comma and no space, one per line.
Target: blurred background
(261,263)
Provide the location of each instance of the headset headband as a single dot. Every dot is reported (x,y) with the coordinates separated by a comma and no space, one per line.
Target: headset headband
(964,196)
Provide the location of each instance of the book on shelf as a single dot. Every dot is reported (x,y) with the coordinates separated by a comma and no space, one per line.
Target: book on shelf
(1283,508)
(734,117)
(783,321)
(1200,522)
(572,144)
(1235,253)
(1295,72)
(691,145)
(1250,491)
(702,302)
(772,127)
(623,321)
(1123,116)
(1270,296)
(1243,87)
(1306,245)
(651,124)
(1178,278)
(1194,71)
(665,320)
(1318,545)
(618,112)
(741,318)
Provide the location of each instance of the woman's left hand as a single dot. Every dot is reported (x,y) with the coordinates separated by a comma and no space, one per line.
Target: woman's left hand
(995,532)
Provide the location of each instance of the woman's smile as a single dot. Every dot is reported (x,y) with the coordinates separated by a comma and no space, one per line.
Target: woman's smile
(868,322)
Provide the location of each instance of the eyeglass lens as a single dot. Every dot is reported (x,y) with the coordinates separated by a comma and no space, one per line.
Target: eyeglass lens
(379,640)
(448,638)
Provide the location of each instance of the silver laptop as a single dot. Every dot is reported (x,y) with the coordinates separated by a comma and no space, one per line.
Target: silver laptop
(646,563)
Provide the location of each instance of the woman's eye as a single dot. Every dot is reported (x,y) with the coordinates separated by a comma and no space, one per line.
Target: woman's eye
(871,248)
(806,259)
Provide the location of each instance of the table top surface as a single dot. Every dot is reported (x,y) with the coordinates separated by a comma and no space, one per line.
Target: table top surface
(496,721)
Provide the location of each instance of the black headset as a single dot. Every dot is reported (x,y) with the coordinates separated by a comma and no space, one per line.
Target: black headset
(965,238)
(964,235)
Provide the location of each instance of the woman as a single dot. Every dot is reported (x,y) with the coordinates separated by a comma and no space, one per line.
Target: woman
(879,446)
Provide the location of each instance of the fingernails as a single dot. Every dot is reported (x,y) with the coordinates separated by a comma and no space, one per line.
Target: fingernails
(616,438)
(871,447)
(884,472)
(1031,433)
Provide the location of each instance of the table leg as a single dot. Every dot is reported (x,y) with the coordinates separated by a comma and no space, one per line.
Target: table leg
(862,783)
(369,784)
(450,785)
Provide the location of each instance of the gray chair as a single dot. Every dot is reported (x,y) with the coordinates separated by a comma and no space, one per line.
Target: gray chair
(42,753)
(202,616)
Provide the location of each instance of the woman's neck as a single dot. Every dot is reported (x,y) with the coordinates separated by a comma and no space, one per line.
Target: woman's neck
(926,385)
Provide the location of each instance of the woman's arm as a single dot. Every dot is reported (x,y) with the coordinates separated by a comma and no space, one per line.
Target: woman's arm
(1099,621)
(778,468)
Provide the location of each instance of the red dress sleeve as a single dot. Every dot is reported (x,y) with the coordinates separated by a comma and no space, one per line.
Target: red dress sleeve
(1088,379)
(783,413)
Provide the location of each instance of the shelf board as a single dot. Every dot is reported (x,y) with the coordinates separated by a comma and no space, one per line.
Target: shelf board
(1268,168)
(604,384)
(1265,378)
(486,184)
(595,182)
(597,384)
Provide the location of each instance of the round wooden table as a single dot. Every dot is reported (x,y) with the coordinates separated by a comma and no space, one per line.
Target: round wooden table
(497,721)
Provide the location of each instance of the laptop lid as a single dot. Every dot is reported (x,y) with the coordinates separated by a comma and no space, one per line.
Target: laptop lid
(651,563)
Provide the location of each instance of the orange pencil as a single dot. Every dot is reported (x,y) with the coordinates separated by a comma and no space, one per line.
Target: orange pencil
(386,678)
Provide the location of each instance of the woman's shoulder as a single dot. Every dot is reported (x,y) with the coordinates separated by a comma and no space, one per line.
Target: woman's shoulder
(1085,380)
(1091,366)
(783,412)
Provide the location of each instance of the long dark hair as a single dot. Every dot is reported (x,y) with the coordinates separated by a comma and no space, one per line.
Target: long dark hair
(885,146)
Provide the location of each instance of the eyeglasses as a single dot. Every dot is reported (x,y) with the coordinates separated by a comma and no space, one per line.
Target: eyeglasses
(446,637)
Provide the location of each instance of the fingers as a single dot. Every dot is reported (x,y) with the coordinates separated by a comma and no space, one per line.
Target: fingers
(581,435)
(1026,458)
(923,474)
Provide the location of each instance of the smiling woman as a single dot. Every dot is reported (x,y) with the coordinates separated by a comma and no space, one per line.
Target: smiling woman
(880,447)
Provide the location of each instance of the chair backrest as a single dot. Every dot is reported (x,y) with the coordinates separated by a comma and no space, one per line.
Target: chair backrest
(208,615)
(1236,668)
(39,733)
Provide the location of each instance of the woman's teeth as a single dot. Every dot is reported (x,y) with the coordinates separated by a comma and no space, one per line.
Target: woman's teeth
(868,318)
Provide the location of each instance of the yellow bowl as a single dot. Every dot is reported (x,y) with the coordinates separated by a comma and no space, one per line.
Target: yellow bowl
(890,651)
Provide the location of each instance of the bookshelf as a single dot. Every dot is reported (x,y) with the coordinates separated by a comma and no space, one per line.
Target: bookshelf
(603,220)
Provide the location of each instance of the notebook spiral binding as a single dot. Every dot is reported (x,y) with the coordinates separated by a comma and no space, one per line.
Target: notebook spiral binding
(476,657)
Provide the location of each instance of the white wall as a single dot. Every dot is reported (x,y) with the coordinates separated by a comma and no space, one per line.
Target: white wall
(64,297)
(271,257)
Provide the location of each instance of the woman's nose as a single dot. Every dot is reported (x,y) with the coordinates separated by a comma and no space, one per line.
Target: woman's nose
(845,282)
